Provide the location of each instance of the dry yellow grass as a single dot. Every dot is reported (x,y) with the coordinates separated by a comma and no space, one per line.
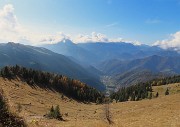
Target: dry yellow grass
(162,111)
(173,89)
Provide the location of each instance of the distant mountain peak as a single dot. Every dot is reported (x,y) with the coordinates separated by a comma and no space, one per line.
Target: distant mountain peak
(66,41)
(11,43)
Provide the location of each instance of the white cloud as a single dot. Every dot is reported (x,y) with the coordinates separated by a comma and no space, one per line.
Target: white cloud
(94,37)
(10,29)
(135,42)
(99,37)
(58,37)
(8,19)
(117,40)
(172,42)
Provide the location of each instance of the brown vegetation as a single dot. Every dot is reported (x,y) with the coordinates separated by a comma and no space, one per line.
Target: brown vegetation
(7,119)
(35,102)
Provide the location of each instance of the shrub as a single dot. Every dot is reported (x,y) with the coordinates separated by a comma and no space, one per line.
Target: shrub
(55,113)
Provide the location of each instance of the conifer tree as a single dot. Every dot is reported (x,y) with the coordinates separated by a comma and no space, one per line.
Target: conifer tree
(133,97)
(51,113)
(150,95)
(167,92)
(57,113)
(116,98)
(137,99)
(157,94)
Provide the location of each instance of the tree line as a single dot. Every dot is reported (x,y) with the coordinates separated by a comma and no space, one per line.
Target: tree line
(70,87)
(165,80)
(142,90)
(133,93)
(80,91)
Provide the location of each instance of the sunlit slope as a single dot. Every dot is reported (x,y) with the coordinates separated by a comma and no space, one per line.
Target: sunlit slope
(37,102)
(158,112)
(163,111)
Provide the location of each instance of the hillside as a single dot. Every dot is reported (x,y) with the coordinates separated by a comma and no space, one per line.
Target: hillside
(159,112)
(153,63)
(124,73)
(35,102)
(59,83)
(76,53)
(43,59)
(6,117)
(130,78)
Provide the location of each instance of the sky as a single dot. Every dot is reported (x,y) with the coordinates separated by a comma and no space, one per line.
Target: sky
(151,22)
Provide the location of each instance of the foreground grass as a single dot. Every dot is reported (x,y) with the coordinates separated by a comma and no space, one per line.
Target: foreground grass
(8,119)
(35,102)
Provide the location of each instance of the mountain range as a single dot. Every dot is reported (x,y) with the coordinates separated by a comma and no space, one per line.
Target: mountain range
(152,63)
(97,64)
(121,63)
(124,73)
(44,59)
(96,53)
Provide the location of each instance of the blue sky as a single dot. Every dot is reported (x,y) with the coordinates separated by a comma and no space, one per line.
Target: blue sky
(146,21)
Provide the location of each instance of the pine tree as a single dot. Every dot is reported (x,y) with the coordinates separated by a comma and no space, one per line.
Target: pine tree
(51,113)
(57,114)
(167,92)
(116,98)
(150,95)
(133,97)
(157,94)
(97,101)
(137,99)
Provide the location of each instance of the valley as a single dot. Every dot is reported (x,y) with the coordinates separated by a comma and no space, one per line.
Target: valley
(96,64)
(89,63)
(120,64)
(30,94)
